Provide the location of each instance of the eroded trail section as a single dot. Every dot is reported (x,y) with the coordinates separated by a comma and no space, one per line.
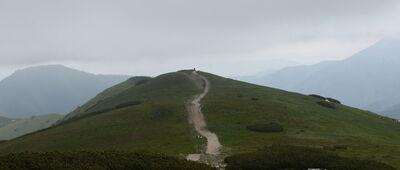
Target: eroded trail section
(196,118)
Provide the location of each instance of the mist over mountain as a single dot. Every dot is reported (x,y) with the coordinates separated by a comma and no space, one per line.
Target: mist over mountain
(393,111)
(367,80)
(50,89)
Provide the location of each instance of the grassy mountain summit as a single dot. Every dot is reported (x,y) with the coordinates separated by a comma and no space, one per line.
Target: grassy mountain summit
(152,115)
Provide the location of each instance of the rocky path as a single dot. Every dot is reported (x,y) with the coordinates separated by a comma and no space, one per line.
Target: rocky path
(196,118)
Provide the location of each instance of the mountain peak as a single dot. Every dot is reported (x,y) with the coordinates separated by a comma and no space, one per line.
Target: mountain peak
(367,80)
(50,89)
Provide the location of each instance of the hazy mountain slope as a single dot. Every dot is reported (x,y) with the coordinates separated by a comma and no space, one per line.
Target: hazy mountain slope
(152,116)
(24,126)
(367,80)
(50,89)
(4,121)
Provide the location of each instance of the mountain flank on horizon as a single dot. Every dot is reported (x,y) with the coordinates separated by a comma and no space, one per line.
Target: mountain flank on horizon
(367,80)
(50,89)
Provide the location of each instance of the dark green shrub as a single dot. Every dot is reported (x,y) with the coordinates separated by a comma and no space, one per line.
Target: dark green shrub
(326,104)
(299,158)
(317,96)
(333,100)
(127,104)
(268,127)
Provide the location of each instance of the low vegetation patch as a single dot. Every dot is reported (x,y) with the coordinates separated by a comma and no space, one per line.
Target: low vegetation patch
(299,158)
(268,127)
(326,104)
(95,160)
(328,99)
(333,100)
(317,96)
(254,98)
(97,112)
(127,104)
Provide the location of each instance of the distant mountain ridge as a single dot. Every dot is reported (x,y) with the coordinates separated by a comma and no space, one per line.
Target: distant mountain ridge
(50,89)
(4,121)
(367,80)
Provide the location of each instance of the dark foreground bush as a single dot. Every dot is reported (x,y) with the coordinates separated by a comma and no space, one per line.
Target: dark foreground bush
(268,127)
(95,160)
(299,158)
(326,104)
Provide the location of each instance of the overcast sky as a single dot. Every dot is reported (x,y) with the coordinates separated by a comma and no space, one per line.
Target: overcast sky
(149,37)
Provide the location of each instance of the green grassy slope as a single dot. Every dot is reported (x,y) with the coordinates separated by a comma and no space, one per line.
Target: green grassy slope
(112,91)
(153,117)
(28,125)
(231,105)
(158,124)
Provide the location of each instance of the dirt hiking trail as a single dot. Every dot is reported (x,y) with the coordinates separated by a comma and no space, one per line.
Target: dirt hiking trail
(196,118)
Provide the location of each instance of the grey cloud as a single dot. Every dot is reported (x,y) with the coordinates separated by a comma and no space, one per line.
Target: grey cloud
(71,30)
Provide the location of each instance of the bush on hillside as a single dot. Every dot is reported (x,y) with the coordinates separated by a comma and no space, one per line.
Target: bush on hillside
(108,160)
(268,127)
(333,100)
(294,157)
(97,112)
(254,98)
(317,96)
(326,104)
(127,104)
